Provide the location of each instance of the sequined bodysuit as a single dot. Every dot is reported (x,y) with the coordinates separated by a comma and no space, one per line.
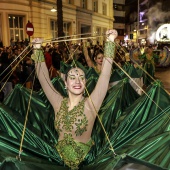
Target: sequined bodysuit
(97,70)
(69,123)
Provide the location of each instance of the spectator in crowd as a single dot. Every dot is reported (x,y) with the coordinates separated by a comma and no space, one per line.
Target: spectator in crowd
(5,74)
(1,44)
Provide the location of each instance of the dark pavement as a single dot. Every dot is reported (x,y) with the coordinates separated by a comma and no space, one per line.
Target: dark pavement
(163,74)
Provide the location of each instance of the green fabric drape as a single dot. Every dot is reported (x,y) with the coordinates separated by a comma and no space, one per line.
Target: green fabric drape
(138,130)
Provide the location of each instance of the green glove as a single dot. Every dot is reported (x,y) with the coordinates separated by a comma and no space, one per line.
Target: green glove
(109,49)
(38,55)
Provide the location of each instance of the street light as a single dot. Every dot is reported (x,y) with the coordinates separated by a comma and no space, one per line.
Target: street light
(53,10)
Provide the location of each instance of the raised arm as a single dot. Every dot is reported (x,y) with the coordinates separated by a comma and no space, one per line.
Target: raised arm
(86,55)
(101,88)
(43,75)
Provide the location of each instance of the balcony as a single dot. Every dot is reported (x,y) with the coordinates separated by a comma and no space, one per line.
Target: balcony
(119,2)
(119,13)
(119,25)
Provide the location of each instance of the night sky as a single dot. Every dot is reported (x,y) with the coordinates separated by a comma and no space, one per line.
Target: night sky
(130,7)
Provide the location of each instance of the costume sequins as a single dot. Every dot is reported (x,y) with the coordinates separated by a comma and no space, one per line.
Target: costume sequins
(73,152)
(72,122)
(67,120)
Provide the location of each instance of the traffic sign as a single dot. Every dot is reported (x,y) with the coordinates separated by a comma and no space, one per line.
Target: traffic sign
(29,28)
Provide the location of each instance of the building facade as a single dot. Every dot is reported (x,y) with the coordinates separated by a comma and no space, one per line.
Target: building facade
(119,17)
(145,17)
(142,25)
(131,20)
(80,18)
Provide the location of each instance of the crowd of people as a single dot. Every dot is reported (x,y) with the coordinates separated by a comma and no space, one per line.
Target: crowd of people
(16,65)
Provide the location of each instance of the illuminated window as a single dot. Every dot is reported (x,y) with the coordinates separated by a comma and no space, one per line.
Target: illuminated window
(141,16)
(95,6)
(16,26)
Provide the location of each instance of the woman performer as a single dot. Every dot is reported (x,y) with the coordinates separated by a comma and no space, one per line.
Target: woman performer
(75,115)
(97,65)
(148,59)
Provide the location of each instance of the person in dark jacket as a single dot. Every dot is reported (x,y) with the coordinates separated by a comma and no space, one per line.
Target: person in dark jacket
(5,74)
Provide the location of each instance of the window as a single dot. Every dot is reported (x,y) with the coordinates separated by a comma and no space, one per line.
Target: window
(84,4)
(95,6)
(104,9)
(53,28)
(120,32)
(143,32)
(165,7)
(71,2)
(118,7)
(66,27)
(98,33)
(16,27)
(119,19)
(104,31)
(141,16)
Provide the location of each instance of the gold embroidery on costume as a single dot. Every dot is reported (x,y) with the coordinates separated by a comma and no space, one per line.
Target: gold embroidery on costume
(97,70)
(69,122)
(72,152)
(66,120)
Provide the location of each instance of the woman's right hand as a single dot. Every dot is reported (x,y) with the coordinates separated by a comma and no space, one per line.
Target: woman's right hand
(111,35)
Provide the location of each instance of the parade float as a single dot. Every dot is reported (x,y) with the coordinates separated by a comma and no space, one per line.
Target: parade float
(163,44)
(161,47)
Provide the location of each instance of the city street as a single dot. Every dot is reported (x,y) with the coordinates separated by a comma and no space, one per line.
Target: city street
(163,74)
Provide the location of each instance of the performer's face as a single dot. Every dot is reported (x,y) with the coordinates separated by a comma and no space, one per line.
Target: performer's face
(99,59)
(75,81)
(143,42)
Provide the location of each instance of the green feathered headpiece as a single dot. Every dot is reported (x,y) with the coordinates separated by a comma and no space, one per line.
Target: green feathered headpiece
(65,68)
